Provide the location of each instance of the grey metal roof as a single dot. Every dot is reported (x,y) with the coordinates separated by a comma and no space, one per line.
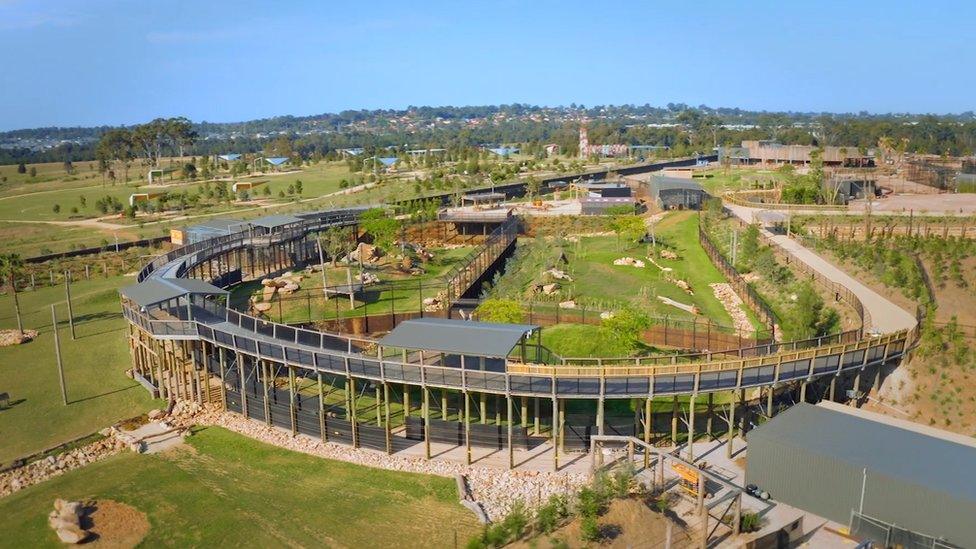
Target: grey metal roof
(157,290)
(457,336)
(219,224)
(912,453)
(478,197)
(663,182)
(274,221)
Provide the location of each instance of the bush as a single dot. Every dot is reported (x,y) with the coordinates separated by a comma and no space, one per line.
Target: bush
(500,310)
(516,520)
(589,529)
(750,522)
(548,517)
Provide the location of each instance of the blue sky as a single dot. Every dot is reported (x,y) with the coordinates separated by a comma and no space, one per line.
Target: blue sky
(115,62)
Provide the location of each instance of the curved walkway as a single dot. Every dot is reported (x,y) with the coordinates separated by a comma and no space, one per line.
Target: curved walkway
(886,317)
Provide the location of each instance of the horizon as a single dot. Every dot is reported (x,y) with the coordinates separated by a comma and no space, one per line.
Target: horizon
(226,63)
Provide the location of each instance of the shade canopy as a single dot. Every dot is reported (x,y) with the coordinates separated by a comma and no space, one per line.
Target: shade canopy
(158,290)
(457,336)
(275,221)
(276,160)
(229,157)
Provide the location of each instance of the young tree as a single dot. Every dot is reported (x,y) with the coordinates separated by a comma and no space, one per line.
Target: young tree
(381,226)
(335,242)
(500,310)
(33,172)
(626,225)
(626,326)
(11,266)
(21,168)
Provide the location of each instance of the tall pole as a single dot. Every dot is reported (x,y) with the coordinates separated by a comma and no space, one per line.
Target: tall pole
(57,353)
(67,295)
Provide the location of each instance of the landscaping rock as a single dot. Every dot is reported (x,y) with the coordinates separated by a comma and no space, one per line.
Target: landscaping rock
(72,535)
(15,337)
(155,414)
(570,304)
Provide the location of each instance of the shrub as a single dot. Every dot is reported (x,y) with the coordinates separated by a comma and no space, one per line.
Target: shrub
(548,516)
(750,522)
(589,529)
(516,520)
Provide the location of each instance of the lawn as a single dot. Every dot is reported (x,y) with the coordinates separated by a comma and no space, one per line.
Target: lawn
(99,393)
(308,302)
(227,490)
(598,284)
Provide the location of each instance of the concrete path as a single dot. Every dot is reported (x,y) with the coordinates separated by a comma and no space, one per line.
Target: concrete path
(885,316)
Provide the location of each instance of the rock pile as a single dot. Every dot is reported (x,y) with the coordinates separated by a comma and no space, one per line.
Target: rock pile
(436,303)
(733,305)
(15,337)
(629,261)
(667,254)
(51,466)
(495,489)
(65,520)
(558,274)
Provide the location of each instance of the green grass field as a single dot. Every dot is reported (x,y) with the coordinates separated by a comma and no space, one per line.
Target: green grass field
(227,490)
(306,304)
(99,393)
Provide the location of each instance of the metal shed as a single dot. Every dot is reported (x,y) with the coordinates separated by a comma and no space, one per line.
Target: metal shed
(864,469)
(676,193)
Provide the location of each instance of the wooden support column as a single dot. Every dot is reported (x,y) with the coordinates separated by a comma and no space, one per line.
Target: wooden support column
(674,420)
(291,401)
(265,371)
(352,405)
(803,391)
(731,434)
(599,412)
(378,398)
(857,386)
(710,415)
(444,413)
(833,387)
(769,399)
(406,402)
(555,433)
(648,420)
(386,408)
(737,515)
(535,410)
(222,353)
(511,449)
(691,428)
(484,409)
(467,427)
(426,413)
(323,431)
(525,413)
(241,360)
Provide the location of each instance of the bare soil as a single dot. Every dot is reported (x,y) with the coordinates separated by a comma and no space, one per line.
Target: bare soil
(114,525)
(628,523)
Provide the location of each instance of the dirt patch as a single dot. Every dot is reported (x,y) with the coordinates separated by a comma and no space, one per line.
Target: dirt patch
(627,523)
(14,337)
(114,525)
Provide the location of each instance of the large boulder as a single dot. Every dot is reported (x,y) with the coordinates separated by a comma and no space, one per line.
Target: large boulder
(72,535)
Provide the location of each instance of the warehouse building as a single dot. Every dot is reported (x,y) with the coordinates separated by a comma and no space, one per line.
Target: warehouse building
(676,193)
(890,480)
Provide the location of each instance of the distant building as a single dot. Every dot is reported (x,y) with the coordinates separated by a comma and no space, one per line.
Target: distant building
(847,187)
(600,205)
(772,152)
(676,193)
(891,480)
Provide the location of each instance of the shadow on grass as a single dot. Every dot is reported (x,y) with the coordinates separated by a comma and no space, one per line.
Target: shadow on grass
(8,405)
(107,393)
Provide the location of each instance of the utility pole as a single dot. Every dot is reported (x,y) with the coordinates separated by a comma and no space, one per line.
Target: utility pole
(67,295)
(57,354)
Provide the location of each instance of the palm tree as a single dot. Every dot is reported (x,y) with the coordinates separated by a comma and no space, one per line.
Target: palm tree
(11,266)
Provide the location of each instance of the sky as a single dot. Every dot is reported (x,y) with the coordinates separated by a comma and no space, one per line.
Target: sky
(95,62)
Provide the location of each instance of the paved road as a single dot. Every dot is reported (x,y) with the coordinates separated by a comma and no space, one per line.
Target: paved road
(886,317)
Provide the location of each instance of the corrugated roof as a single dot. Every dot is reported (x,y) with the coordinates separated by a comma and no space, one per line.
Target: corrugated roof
(457,336)
(157,290)
(909,452)
(663,182)
(219,224)
(276,160)
(229,157)
(274,221)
